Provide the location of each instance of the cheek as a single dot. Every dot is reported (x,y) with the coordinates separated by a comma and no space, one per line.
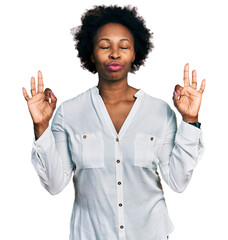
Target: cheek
(99,58)
(130,56)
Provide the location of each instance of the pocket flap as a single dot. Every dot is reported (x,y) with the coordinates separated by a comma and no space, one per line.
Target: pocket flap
(91,149)
(146,150)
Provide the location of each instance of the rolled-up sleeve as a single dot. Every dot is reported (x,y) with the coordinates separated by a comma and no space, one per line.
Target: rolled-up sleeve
(181,150)
(51,157)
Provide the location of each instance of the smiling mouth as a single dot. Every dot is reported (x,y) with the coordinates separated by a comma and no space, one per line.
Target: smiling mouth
(114,68)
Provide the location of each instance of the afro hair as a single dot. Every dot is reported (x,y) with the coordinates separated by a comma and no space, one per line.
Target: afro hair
(94,18)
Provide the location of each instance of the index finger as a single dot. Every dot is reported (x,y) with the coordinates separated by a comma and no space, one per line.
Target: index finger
(40,82)
(186,75)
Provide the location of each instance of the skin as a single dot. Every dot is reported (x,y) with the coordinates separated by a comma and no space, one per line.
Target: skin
(189,100)
(39,107)
(113,42)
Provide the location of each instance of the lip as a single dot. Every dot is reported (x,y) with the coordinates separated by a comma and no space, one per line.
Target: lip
(114,66)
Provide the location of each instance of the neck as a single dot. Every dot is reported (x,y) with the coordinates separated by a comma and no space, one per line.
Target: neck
(114,92)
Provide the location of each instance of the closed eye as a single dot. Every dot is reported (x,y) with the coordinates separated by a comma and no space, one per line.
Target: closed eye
(108,47)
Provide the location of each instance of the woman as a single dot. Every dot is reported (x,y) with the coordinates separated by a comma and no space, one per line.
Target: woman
(113,136)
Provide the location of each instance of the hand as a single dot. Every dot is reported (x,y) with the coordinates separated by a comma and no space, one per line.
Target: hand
(39,107)
(187,99)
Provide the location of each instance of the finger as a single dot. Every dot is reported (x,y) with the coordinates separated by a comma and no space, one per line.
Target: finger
(40,82)
(47,94)
(177,93)
(176,99)
(186,75)
(178,89)
(194,79)
(175,96)
(53,100)
(33,86)
(202,87)
(26,96)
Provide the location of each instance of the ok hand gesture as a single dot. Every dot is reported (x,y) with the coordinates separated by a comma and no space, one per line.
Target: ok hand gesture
(187,99)
(39,107)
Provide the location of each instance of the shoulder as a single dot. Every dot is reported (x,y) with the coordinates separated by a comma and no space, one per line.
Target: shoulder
(79,100)
(155,102)
(80,97)
(157,107)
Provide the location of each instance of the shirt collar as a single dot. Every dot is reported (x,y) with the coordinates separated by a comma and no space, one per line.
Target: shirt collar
(137,94)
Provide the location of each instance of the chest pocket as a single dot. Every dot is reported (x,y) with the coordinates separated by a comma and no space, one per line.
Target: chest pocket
(88,150)
(146,148)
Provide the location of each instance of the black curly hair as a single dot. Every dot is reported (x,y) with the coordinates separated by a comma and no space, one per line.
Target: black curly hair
(94,18)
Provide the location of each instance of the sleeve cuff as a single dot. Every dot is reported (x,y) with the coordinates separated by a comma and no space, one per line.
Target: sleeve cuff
(44,141)
(189,132)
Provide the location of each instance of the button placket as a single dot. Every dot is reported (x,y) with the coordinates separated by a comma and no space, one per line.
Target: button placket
(119,183)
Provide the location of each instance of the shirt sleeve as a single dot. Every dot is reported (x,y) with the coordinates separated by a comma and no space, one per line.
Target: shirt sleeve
(180,152)
(51,155)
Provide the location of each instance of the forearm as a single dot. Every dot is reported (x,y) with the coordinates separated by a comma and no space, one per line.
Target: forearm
(39,129)
(53,172)
(191,120)
(182,156)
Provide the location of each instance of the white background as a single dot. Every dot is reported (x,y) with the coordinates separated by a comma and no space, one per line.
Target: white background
(35,35)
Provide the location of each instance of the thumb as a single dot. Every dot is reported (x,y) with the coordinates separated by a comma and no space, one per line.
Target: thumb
(178,88)
(53,100)
(176,95)
(176,98)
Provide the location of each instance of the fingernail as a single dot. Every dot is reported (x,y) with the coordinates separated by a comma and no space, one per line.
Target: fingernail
(53,94)
(178,94)
(173,93)
(49,95)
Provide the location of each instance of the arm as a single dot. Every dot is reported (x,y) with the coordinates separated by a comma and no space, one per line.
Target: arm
(182,148)
(51,156)
(180,153)
(50,153)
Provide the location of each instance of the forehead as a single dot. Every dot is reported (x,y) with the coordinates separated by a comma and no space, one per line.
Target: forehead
(114,30)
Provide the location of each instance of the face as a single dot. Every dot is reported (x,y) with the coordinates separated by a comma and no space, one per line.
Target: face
(113,51)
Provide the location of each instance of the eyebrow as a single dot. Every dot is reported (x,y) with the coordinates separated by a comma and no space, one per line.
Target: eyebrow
(107,39)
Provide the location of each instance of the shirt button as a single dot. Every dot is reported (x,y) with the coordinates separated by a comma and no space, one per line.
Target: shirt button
(117,139)
(119,183)
(151,138)
(121,226)
(118,161)
(120,204)
(84,136)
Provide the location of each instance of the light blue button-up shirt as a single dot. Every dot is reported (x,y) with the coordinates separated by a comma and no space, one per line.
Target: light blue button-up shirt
(118,195)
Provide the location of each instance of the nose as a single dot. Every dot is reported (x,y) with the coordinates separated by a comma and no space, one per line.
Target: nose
(114,54)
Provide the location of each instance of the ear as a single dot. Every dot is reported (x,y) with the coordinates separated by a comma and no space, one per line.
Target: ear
(92,58)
